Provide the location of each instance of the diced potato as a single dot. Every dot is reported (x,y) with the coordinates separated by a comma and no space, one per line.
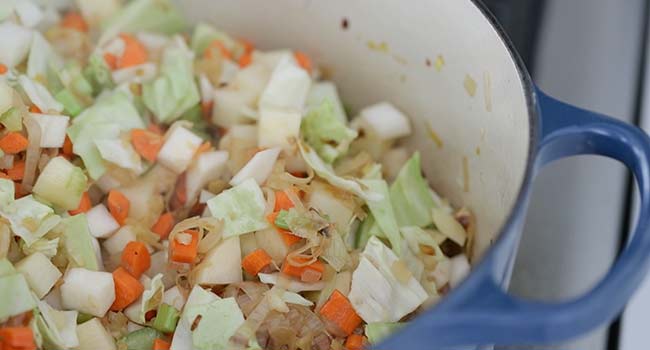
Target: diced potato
(116,243)
(86,291)
(100,222)
(222,265)
(178,150)
(93,336)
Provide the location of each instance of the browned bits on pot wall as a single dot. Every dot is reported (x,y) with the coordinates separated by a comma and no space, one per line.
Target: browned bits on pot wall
(345,23)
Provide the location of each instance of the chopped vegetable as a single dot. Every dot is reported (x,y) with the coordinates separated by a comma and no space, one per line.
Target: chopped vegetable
(78,242)
(258,168)
(184,251)
(326,133)
(254,262)
(142,339)
(144,15)
(127,289)
(160,344)
(90,292)
(221,265)
(15,44)
(146,143)
(382,211)
(39,272)
(223,314)
(136,259)
(341,315)
(74,20)
(448,226)
(100,221)
(385,121)
(116,243)
(163,225)
(93,336)
(19,338)
(16,294)
(13,142)
(57,327)
(60,176)
(355,342)
(166,318)
(410,196)
(307,273)
(118,206)
(178,150)
(378,331)
(241,208)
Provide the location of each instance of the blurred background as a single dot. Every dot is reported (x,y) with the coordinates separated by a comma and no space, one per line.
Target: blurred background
(591,53)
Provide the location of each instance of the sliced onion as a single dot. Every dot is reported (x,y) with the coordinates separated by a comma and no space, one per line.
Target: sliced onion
(33,152)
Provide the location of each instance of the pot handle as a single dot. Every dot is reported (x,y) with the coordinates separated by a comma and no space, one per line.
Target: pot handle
(480,312)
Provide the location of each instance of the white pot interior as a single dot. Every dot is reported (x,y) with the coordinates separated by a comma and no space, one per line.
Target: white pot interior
(383,54)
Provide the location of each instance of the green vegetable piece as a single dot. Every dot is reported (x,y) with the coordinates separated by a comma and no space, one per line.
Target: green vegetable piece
(61,177)
(82,317)
(98,74)
(326,133)
(6,268)
(376,332)
(166,318)
(158,16)
(77,242)
(204,34)
(15,295)
(241,208)
(382,211)
(223,315)
(281,220)
(142,339)
(70,103)
(411,196)
(12,119)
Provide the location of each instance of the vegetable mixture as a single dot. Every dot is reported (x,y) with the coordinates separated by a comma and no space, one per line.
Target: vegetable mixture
(163,187)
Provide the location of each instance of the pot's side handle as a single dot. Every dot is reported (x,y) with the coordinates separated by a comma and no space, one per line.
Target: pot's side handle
(481,313)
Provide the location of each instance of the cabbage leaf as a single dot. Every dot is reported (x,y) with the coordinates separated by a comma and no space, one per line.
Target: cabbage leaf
(326,133)
(410,195)
(241,208)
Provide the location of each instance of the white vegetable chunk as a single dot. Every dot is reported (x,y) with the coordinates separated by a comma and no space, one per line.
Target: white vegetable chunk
(377,293)
(116,243)
(6,97)
(60,176)
(333,202)
(174,297)
(93,336)
(459,269)
(39,95)
(258,168)
(53,128)
(277,127)
(222,265)
(287,88)
(205,196)
(87,291)
(182,339)
(207,167)
(292,285)
(40,273)
(178,150)
(15,42)
(53,298)
(29,13)
(270,240)
(100,222)
(326,91)
(98,253)
(135,74)
(230,107)
(385,121)
(121,153)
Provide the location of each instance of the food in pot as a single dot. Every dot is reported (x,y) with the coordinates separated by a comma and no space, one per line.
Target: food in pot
(163,187)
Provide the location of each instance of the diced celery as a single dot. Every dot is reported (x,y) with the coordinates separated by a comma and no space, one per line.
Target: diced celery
(141,339)
(61,183)
(71,104)
(83,317)
(12,119)
(166,318)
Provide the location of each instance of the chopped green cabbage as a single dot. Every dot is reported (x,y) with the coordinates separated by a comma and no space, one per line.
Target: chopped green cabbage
(382,211)
(241,208)
(204,34)
(15,295)
(325,171)
(174,91)
(410,195)
(159,16)
(7,193)
(121,153)
(6,268)
(47,247)
(378,331)
(416,236)
(77,242)
(336,253)
(29,218)
(42,58)
(12,119)
(58,328)
(61,177)
(224,315)
(324,132)
(326,91)
(98,74)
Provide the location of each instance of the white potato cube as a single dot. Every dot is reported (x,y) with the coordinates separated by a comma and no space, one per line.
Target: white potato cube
(40,273)
(116,243)
(222,265)
(179,148)
(385,121)
(277,127)
(94,336)
(90,292)
(207,167)
(287,88)
(100,222)
(174,297)
(258,168)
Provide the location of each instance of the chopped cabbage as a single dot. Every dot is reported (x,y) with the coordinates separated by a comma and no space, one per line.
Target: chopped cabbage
(241,208)
(58,328)
(15,41)
(15,295)
(47,247)
(60,176)
(121,153)
(42,58)
(159,16)
(410,195)
(336,253)
(204,34)
(325,91)
(39,95)
(324,132)
(382,211)
(152,297)
(77,242)
(222,314)
(378,331)
(29,218)
(182,339)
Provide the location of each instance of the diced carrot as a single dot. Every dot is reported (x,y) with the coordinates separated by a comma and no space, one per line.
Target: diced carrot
(159,344)
(127,289)
(135,258)
(17,172)
(355,342)
(282,201)
(67,146)
(84,205)
(313,271)
(339,311)
(183,253)
(134,52)
(13,142)
(288,238)
(19,338)
(111,60)
(73,20)
(146,143)
(245,59)
(34,109)
(118,205)
(303,61)
(3,69)
(205,146)
(218,46)
(254,262)
(248,45)
(163,225)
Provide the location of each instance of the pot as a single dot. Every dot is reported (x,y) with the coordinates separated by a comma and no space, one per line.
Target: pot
(484,130)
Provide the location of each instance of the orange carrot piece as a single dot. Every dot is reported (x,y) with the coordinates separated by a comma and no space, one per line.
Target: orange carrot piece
(34,109)
(73,20)
(288,238)
(18,171)
(282,201)
(67,148)
(146,143)
(135,258)
(127,289)
(216,46)
(134,52)
(303,61)
(118,205)
(314,270)
(163,225)
(355,342)
(159,344)
(84,205)
(111,60)
(245,60)
(182,253)
(19,338)
(13,142)
(3,69)
(339,312)
(206,110)
(254,262)
(248,45)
